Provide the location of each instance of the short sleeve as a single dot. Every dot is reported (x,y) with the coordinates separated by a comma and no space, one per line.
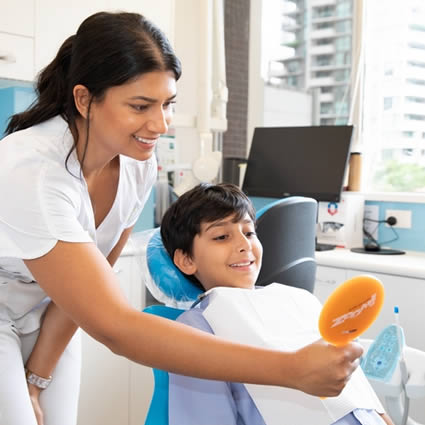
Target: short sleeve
(41,202)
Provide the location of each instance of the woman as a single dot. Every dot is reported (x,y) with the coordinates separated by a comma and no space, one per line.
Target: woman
(75,172)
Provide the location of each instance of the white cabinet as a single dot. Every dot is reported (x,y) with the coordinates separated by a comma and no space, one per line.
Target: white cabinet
(115,390)
(16,57)
(17,17)
(54,23)
(17,40)
(31,31)
(407,293)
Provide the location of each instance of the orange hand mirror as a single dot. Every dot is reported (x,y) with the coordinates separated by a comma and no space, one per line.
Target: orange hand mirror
(351,309)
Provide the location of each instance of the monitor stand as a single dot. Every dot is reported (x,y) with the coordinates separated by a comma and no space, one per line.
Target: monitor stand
(380,251)
(324,246)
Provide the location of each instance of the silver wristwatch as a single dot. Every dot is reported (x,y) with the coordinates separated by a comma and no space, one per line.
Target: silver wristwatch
(36,380)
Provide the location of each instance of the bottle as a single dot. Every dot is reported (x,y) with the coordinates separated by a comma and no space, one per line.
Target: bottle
(355,172)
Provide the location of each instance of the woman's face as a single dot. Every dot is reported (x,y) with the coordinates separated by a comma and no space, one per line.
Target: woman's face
(131,117)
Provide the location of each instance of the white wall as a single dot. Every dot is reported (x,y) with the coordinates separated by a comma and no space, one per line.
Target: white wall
(270,106)
(284,107)
(255,82)
(186,45)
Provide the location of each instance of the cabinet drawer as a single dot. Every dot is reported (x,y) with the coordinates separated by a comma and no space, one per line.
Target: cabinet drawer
(330,276)
(17,17)
(327,279)
(16,57)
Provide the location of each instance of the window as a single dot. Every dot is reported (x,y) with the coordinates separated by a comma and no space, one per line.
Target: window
(343,8)
(323,60)
(416,64)
(323,12)
(343,58)
(324,25)
(393,128)
(323,74)
(415,99)
(416,81)
(343,43)
(323,41)
(343,26)
(388,103)
(326,108)
(342,75)
(414,117)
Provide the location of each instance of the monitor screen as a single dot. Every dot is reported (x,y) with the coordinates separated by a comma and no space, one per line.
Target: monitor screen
(298,161)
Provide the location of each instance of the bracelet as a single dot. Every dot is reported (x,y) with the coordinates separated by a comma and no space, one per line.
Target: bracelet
(36,380)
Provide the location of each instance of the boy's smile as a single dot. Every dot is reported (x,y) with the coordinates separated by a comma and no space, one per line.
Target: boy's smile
(226,253)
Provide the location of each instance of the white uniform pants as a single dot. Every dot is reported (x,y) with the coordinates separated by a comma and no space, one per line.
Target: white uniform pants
(59,401)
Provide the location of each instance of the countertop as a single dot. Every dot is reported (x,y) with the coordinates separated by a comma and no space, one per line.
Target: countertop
(411,264)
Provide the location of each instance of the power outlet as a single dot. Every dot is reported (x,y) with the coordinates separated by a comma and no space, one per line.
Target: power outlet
(404,218)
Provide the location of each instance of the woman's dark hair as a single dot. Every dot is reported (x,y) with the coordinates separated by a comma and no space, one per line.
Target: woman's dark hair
(204,203)
(109,49)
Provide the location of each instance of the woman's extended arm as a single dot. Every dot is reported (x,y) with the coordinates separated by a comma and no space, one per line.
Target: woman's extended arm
(90,295)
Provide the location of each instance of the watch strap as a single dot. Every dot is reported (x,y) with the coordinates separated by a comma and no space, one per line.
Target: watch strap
(36,380)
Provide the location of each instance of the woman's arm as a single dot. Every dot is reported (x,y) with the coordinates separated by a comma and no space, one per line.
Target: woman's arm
(89,293)
(58,328)
(386,419)
(56,331)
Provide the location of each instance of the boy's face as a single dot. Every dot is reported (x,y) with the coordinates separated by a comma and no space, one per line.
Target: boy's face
(224,254)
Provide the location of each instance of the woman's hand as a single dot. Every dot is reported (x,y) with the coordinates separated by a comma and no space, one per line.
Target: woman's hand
(35,401)
(323,369)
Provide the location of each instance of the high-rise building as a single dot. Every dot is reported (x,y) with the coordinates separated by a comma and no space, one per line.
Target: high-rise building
(394,90)
(317,55)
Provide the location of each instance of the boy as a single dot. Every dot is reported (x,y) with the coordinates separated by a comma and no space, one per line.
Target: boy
(209,232)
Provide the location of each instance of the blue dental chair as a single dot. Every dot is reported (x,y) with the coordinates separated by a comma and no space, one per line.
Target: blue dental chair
(158,409)
(286,228)
(174,285)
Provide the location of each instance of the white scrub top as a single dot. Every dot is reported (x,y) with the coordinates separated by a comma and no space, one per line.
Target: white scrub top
(41,202)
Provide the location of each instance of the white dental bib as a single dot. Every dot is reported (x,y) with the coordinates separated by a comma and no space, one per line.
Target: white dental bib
(284,318)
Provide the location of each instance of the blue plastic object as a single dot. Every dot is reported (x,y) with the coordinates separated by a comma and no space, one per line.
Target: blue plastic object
(158,409)
(166,275)
(384,354)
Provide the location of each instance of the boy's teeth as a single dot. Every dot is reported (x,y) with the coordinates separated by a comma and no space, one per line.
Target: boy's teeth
(241,264)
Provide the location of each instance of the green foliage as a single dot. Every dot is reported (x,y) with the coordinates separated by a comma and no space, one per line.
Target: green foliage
(395,176)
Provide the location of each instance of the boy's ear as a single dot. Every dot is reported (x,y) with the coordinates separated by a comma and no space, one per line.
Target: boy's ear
(184,262)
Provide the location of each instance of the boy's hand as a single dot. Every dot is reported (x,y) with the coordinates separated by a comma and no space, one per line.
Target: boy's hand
(35,401)
(323,369)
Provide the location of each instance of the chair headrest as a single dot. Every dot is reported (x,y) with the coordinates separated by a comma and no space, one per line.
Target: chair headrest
(159,274)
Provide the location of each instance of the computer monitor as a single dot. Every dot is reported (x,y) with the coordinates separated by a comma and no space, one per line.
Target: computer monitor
(298,161)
